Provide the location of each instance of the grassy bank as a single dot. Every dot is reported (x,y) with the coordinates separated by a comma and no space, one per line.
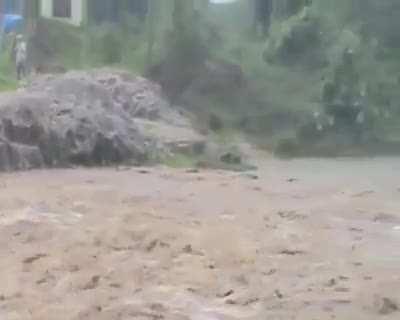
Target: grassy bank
(7,73)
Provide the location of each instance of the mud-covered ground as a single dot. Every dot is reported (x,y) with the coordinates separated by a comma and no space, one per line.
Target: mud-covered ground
(304,240)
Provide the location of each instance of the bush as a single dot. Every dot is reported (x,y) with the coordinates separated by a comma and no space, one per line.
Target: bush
(231,158)
(215,122)
(56,43)
(288,148)
(7,73)
(299,42)
(112,49)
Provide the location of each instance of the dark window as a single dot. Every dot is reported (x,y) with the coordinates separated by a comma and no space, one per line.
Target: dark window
(62,8)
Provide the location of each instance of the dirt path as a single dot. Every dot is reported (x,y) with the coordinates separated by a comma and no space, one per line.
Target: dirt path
(297,240)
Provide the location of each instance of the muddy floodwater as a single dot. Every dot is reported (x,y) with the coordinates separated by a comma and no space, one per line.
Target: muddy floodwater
(303,239)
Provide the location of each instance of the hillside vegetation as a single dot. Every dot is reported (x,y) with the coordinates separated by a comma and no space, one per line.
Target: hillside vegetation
(325,77)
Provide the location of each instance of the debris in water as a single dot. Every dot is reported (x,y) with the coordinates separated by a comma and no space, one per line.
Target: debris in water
(278,294)
(332,283)
(387,306)
(189,250)
(291,252)
(92,284)
(231,301)
(271,272)
(364,193)
(152,245)
(386,218)
(41,281)
(252,176)
(250,301)
(34,258)
(158,307)
(291,215)
(226,294)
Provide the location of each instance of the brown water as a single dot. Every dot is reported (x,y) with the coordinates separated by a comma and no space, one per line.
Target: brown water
(308,239)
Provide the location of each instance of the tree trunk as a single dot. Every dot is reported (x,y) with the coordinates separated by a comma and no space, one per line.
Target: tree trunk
(183,14)
(151,32)
(31,14)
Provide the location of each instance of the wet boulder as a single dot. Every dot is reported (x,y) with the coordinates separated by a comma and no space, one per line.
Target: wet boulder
(88,118)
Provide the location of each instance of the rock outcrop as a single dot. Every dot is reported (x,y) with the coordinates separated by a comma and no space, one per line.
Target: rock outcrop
(89,118)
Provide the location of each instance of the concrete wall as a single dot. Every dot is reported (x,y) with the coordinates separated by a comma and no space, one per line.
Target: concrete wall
(46,8)
(77,11)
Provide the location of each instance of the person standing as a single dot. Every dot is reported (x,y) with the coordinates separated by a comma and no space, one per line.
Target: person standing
(20,54)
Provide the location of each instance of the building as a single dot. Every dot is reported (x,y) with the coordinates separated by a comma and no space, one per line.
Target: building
(12,6)
(71,11)
(77,12)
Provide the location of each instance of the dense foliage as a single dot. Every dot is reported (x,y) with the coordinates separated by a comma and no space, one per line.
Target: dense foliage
(308,72)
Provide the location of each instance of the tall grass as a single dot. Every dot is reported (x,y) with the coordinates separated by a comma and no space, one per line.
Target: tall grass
(7,73)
